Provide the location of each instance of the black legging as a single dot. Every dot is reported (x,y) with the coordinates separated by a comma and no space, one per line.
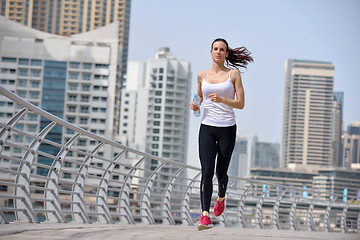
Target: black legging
(214,141)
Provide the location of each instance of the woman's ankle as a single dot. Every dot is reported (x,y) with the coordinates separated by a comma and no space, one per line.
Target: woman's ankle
(205,213)
(219,199)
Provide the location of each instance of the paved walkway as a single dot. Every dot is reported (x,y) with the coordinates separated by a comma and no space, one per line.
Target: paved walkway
(51,231)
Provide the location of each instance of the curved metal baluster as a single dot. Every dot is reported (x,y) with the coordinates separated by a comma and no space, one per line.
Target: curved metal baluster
(24,178)
(275,214)
(241,207)
(78,188)
(5,131)
(146,214)
(103,210)
(293,214)
(310,218)
(258,213)
(2,217)
(124,202)
(166,208)
(54,206)
(185,204)
(358,222)
(327,225)
(343,224)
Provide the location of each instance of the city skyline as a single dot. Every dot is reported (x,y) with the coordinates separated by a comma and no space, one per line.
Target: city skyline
(273,31)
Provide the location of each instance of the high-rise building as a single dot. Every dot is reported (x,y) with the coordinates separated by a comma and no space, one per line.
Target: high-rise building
(264,154)
(351,146)
(336,131)
(71,77)
(354,128)
(307,117)
(154,110)
(238,163)
(69,17)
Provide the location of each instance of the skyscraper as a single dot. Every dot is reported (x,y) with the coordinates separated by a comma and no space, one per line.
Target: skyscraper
(351,146)
(264,154)
(155,111)
(337,127)
(72,77)
(238,163)
(69,17)
(307,117)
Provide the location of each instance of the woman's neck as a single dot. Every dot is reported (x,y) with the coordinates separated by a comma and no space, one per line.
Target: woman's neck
(218,67)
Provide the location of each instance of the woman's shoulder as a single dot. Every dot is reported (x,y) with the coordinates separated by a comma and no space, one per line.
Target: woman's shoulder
(235,74)
(201,75)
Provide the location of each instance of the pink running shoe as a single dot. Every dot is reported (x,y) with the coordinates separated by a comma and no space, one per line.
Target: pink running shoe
(219,207)
(204,223)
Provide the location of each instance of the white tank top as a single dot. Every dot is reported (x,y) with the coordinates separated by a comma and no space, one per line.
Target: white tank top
(218,114)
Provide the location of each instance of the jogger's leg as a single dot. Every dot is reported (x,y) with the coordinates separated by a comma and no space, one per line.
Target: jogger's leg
(207,154)
(225,149)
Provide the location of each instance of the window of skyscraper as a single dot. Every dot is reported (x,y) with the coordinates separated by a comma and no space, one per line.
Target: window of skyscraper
(20,126)
(22,83)
(21,94)
(73,86)
(74,75)
(72,108)
(32,117)
(98,65)
(87,65)
(85,88)
(74,64)
(36,62)
(23,72)
(84,98)
(86,76)
(34,95)
(35,73)
(11,60)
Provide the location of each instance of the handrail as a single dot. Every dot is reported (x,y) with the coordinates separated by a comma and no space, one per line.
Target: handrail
(134,186)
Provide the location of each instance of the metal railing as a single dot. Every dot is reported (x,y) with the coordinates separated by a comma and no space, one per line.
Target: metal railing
(44,179)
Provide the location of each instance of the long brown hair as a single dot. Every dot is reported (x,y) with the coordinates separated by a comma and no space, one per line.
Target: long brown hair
(238,57)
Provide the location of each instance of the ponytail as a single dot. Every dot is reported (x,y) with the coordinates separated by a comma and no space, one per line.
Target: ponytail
(238,57)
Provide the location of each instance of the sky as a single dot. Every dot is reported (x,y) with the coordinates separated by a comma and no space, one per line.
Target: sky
(273,31)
